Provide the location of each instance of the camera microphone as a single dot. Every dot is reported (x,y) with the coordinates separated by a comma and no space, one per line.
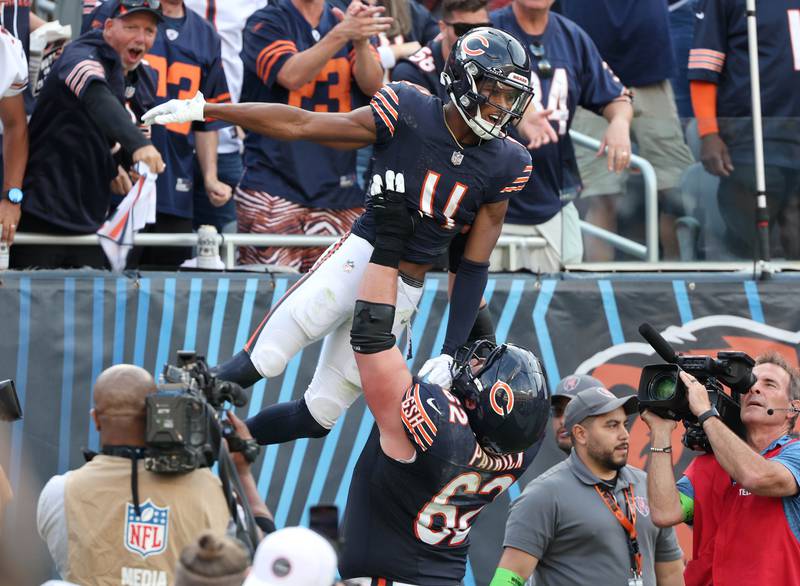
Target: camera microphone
(659,344)
(771,410)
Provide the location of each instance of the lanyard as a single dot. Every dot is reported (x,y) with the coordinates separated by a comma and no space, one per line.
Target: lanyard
(628,523)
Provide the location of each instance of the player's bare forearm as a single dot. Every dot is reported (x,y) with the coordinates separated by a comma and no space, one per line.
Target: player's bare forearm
(304,67)
(485,231)
(356,128)
(367,69)
(15,140)
(384,375)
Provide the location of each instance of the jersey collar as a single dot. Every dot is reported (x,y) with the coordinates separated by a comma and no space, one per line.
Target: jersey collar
(781,441)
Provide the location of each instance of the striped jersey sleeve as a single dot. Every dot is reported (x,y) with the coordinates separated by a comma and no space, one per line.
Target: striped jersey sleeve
(517,171)
(79,75)
(710,46)
(385,106)
(419,417)
(13,65)
(267,45)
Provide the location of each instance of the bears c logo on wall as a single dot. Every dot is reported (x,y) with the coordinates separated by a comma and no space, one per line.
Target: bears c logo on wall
(501,398)
(478,51)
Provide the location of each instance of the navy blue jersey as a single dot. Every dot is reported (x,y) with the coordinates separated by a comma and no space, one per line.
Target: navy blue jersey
(446,184)
(424,69)
(185,58)
(719,55)
(302,172)
(15,18)
(580,78)
(633,36)
(71,163)
(410,522)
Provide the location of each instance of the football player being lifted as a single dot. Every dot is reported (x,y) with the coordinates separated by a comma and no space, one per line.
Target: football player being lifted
(435,458)
(460,168)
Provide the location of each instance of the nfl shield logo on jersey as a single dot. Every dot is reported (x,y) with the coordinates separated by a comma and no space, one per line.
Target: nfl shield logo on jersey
(457,158)
(146,534)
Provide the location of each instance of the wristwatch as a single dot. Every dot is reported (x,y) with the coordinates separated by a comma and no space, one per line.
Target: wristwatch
(14,195)
(703,417)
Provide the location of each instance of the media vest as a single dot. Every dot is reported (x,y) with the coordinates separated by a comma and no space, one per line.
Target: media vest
(110,545)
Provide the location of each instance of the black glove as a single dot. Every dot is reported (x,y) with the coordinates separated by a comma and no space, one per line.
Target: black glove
(394,222)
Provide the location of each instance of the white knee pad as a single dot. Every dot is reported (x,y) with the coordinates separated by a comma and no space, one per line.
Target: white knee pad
(269,358)
(327,403)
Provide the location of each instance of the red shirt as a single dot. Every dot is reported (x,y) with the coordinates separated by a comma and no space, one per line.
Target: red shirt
(739,537)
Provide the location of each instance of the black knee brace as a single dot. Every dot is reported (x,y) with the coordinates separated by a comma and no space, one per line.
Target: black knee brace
(372,327)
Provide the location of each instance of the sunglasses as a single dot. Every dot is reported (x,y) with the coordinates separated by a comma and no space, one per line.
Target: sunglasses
(154,4)
(543,66)
(462,28)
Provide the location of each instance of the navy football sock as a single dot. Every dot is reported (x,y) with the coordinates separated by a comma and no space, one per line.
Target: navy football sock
(239,369)
(284,422)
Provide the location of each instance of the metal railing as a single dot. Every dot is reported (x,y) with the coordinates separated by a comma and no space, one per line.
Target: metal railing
(649,252)
(229,242)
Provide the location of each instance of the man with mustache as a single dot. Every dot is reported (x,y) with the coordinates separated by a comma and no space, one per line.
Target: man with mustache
(587,519)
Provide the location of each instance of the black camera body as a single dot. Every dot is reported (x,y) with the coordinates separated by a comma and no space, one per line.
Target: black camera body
(183,431)
(662,391)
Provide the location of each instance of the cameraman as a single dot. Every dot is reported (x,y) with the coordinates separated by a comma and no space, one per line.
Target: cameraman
(743,498)
(89,517)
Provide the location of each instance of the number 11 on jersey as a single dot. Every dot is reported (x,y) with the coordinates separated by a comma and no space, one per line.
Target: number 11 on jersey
(428,193)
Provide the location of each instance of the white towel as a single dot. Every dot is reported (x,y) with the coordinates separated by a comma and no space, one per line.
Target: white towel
(134,212)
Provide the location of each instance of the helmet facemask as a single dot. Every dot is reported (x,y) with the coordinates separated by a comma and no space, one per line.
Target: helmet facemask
(508,98)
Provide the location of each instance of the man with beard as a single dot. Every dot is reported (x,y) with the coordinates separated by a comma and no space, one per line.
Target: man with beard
(587,519)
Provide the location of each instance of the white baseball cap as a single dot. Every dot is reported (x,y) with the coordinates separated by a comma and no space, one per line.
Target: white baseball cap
(293,556)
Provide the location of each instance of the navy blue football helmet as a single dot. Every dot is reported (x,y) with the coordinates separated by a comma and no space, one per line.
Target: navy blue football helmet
(506,399)
(487,62)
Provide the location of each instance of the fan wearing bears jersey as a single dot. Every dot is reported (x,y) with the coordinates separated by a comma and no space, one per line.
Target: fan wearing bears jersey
(436,456)
(460,169)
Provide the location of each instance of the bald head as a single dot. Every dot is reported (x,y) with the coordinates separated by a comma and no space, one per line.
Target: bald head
(120,391)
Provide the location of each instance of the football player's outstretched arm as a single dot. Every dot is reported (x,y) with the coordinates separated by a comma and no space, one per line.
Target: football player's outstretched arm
(356,128)
(347,129)
(383,372)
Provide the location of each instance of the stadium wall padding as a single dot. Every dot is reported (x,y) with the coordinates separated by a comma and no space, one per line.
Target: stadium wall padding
(60,329)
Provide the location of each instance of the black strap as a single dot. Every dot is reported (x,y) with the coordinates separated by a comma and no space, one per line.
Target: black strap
(134,454)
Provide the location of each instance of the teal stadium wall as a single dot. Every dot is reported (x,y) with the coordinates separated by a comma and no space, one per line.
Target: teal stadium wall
(58,330)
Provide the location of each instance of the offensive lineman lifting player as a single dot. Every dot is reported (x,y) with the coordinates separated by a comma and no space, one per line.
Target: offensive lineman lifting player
(436,457)
(460,168)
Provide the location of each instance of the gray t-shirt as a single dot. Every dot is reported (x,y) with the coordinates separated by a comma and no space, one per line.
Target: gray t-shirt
(560,519)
